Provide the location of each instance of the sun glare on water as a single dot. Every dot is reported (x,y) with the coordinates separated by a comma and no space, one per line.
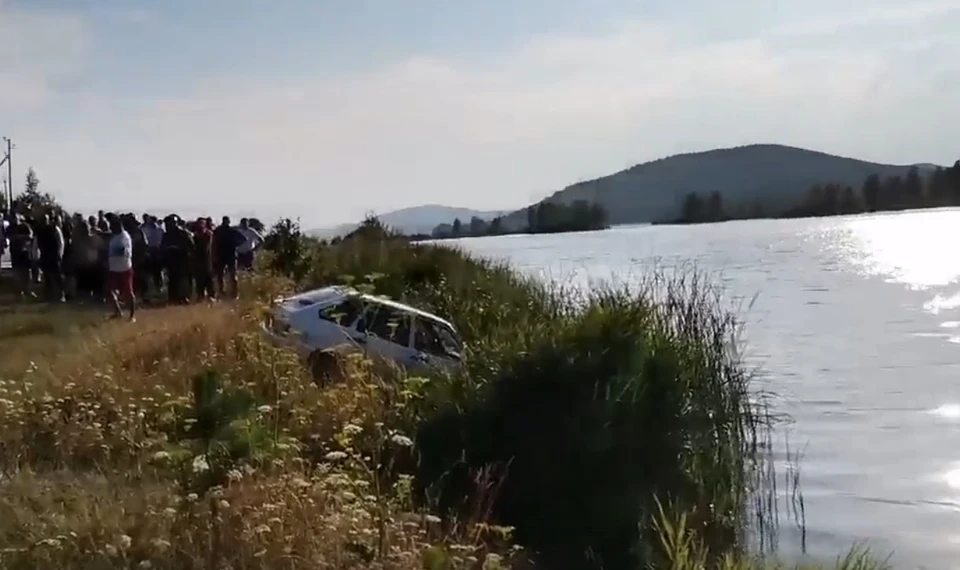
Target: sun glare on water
(918,250)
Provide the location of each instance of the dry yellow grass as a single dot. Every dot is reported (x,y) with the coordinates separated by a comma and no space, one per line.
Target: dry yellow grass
(100,470)
(102,467)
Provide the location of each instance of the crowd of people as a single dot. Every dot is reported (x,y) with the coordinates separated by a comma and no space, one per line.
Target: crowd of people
(120,258)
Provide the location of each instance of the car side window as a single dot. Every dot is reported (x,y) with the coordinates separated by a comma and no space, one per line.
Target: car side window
(343,314)
(389,323)
(430,338)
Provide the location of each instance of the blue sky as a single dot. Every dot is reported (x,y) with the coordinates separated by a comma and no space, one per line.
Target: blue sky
(329,109)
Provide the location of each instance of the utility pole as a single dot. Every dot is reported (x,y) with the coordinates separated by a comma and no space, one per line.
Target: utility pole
(8,158)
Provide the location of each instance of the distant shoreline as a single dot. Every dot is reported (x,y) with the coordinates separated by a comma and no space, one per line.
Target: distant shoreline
(428,237)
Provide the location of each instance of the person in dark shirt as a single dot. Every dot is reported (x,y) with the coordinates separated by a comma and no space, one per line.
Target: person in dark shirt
(177,247)
(154,236)
(103,222)
(203,260)
(21,246)
(34,250)
(226,240)
(66,229)
(86,261)
(51,245)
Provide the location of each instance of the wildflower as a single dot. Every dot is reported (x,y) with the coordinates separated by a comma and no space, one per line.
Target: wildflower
(261,529)
(170,511)
(145,565)
(335,456)
(432,519)
(124,541)
(300,482)
(492,561)
(224,504)
(200,464)
(265,409)
(192,497)
(352,429)
(401,440)
(110,549)
(234,475)
(51,542)
(160,544)
(161,456)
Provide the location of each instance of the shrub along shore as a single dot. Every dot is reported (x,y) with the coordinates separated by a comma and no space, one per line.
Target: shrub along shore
(609,429)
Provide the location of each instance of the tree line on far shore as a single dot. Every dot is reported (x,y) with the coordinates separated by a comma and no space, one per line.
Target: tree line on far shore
(940,187)
(543,218)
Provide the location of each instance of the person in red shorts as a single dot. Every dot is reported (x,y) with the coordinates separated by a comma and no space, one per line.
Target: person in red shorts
(120,266)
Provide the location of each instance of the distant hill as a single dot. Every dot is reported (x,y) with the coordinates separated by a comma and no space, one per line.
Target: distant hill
(416,220)
(772,176)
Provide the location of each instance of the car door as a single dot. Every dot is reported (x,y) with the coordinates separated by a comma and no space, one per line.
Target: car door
(339,321)
(385,331)
(433,348)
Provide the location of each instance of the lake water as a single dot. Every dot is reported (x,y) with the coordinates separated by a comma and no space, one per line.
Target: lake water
(856,325)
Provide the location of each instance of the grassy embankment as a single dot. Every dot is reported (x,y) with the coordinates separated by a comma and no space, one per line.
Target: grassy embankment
(599,430)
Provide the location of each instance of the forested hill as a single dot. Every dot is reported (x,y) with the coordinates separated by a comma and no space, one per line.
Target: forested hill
(768,176)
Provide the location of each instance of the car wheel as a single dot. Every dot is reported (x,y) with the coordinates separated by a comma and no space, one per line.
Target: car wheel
(324,367)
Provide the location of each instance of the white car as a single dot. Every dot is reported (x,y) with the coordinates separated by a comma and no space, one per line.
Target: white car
(341,319)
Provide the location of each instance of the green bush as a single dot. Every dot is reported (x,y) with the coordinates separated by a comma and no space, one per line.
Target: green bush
(582,409)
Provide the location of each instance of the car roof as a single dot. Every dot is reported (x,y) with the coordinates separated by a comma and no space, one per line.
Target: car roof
(338,293)
(322,296)
(407,308)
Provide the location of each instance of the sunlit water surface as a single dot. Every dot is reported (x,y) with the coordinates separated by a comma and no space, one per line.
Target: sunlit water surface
(855,323)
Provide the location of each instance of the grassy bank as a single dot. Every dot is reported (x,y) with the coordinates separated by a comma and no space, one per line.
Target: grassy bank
(591,406)
(604,430)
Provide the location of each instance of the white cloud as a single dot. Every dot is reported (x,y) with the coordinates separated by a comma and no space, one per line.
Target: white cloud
(38,49)
(867,15)
(555,110)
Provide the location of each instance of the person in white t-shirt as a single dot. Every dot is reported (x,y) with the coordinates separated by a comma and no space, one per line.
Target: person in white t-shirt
(252,239)
(120,266)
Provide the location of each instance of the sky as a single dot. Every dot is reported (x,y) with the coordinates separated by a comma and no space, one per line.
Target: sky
(326,110)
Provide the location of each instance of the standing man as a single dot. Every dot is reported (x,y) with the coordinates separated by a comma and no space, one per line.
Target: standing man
(226,240)
(51,245)
(251,241)
(203,260)
(177,251)
(103,222)
(120,267)
(21,248)
(139,240)
(3,234)
(153,233)
(87,272)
